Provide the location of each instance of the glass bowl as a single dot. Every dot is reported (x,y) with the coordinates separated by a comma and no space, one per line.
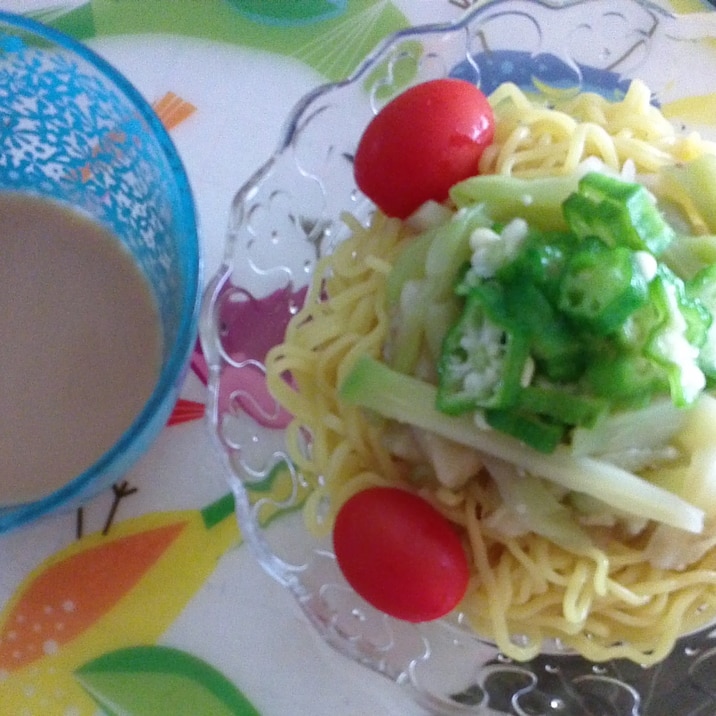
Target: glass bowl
(287,216)
(73,130)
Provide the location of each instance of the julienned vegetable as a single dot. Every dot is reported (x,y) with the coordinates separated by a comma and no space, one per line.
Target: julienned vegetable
(422,143)
(373,385)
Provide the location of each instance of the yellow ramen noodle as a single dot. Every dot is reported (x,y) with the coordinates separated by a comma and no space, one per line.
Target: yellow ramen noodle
(605,602)
(534,140)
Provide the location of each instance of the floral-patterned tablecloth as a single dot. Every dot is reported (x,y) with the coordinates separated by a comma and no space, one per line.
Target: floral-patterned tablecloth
(144,602)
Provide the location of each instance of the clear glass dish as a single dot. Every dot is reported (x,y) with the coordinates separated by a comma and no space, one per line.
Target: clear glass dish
(287,216)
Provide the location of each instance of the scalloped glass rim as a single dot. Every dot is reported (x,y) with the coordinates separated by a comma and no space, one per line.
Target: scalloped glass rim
(156,411)
(286,216)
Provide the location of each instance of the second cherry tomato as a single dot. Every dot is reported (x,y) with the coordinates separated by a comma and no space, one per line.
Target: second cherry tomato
(421,143)
(400,554)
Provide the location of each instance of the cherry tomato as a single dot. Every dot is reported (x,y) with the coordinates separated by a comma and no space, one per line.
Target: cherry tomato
(400,554)
(421,143)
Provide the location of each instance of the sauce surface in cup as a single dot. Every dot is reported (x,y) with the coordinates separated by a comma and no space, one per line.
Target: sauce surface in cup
(80,344)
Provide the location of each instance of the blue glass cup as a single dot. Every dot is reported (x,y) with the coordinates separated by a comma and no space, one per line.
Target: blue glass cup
(74,130)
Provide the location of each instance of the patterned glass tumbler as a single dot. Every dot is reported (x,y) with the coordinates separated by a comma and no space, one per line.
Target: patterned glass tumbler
(74,130)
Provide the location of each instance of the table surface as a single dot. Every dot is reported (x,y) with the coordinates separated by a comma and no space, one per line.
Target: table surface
(199,620)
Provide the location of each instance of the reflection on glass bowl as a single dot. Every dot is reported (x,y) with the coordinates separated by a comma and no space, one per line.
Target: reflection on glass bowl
(287,216)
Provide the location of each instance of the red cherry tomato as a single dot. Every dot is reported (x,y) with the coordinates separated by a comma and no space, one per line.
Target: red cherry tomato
(400,554)
(421,143)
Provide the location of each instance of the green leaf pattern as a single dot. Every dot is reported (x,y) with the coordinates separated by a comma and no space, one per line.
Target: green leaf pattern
(160,681)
